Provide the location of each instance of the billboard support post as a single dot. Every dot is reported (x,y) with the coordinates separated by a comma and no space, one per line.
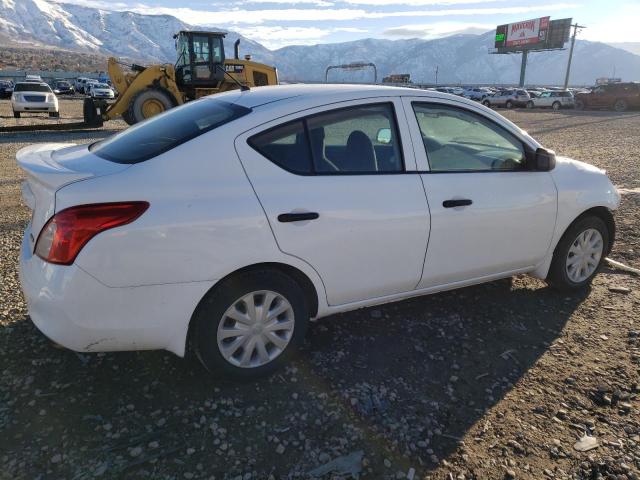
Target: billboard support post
(573,42)
(523,67)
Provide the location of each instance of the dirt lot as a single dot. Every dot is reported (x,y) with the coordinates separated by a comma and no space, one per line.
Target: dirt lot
(489,382)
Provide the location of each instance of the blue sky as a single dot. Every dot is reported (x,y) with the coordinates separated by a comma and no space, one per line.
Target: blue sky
(276,23)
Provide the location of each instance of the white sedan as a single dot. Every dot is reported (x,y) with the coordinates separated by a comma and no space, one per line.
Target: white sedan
(227,223)
(100,90)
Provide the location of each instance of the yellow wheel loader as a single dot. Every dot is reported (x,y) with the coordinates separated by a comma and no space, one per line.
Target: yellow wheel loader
(201,69)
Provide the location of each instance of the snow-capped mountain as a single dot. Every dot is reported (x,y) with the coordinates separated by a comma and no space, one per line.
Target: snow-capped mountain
(123,34)
(458,58)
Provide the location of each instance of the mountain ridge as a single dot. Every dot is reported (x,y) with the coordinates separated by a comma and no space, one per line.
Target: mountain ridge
(461,58)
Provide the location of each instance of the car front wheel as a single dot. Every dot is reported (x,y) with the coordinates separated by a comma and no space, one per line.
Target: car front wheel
(509,104)
(579,254)
(620,105)
(250,324)
(556,106)
(529,104)
(486,103)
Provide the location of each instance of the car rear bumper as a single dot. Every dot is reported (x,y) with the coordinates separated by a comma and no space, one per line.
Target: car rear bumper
(77,311)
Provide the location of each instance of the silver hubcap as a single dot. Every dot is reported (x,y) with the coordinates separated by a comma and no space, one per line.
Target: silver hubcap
(584,255)
(255,329)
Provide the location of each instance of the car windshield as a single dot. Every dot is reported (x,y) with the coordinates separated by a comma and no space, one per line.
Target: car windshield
(31,87)
(163,132)
(100,85)
(63,84)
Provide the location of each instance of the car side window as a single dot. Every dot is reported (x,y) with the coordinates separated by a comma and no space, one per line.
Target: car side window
(286,146)
(458,140)
(362,139)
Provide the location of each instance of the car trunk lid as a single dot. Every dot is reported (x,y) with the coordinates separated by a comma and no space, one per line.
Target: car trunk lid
(48,168)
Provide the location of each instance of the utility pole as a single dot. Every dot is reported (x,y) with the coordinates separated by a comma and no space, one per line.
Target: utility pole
(523,66)
(573,42)
(436,75)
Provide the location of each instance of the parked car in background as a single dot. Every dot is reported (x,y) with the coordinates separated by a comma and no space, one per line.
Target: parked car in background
(552,99)
(141,241)
(88,84)
(476,93)
(79,83)
(63,87)
(618,96)
(32,97)
(6,88)
(507,98)
(100,90)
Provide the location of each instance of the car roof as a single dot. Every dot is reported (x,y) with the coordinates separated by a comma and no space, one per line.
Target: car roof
(33,83)
(322,93)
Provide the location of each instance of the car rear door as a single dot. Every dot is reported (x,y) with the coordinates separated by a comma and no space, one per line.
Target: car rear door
(340,191)
(490,216)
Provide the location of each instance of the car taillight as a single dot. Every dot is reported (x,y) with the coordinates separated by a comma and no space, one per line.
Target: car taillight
(64,235)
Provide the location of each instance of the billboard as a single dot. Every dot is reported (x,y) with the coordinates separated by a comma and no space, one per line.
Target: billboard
(535,34)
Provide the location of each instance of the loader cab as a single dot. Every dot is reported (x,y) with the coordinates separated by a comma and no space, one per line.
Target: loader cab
(200,60)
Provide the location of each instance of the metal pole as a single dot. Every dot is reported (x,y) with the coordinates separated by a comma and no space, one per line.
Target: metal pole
(573,42)
(523,66)
(436,75)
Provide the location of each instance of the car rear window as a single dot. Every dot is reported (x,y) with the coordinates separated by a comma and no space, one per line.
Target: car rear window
(163,132)
(31,87)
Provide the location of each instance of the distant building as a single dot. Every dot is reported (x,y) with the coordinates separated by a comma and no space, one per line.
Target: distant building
(397,78)
(606,81)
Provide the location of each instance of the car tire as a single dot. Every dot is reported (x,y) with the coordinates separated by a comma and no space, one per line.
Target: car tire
(509,104)
(16,114)
(587,238)
(530,104)
(580,105)
(54,115)
(486,103)
(213,329)
(556,106)
(90,114)
(620,105)
(149,102)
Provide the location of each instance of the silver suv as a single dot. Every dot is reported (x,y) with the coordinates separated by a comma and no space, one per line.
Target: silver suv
(508,98)
(553,99)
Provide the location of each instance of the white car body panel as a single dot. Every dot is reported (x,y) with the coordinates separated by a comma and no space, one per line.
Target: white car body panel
(213,210)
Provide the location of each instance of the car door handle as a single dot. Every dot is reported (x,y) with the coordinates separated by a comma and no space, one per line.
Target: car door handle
(297,217)
(462,202)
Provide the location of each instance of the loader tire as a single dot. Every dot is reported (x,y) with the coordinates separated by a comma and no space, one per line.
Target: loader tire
(127,118)
(149,102)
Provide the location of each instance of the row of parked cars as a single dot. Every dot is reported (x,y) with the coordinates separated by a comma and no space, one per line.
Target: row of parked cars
(616,96)
(33,95)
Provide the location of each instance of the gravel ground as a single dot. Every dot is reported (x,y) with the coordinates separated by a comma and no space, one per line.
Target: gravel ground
(488,382)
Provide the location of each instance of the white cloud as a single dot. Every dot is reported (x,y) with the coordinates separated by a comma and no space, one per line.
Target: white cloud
(317,3)
(623,27)
(436,30)
(254,17)
(414,3)
(276,37)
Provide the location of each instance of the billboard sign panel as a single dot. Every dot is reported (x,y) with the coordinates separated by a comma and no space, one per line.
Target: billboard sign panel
(528,32)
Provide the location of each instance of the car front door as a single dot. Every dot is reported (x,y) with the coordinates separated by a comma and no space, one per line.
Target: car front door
(490,215)
(544,100)
(334,183)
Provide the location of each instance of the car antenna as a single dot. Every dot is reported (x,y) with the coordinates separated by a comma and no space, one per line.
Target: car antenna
(243,88)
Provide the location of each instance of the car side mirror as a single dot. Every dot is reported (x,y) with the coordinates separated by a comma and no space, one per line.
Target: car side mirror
(384,136)
(544,160)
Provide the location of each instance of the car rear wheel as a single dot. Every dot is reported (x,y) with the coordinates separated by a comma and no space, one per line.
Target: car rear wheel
(54,114)
(530,104)
(556,106)
(250,324)
(486,103)
(620,105)
(580,105)
(509,104)
(16,114)
(579,254)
